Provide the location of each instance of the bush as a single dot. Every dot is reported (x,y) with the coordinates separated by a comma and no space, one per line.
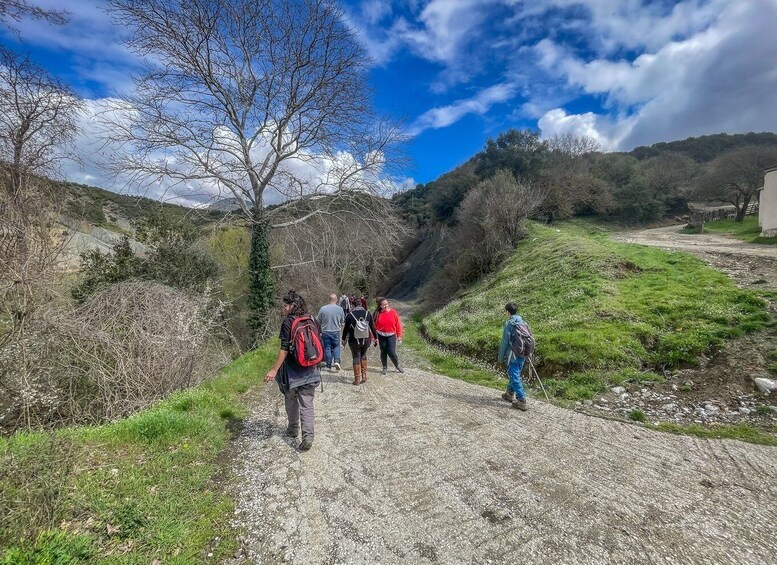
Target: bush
(490,223)
(124,348)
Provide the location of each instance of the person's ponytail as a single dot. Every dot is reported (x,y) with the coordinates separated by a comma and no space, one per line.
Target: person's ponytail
(299,306)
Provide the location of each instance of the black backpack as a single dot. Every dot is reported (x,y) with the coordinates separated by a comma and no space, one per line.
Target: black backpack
(522,342)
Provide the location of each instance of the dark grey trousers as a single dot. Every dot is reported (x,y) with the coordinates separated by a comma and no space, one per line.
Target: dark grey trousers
(299,408)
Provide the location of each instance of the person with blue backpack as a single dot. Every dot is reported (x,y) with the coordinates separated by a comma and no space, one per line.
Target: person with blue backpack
(517,344)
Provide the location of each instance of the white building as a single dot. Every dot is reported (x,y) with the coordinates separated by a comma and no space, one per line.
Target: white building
(767,208)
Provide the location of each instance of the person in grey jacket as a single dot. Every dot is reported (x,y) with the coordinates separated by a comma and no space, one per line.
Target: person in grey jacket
(331,318)
(514,393)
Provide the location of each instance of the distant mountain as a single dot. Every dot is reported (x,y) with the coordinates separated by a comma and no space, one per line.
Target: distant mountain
(226,205)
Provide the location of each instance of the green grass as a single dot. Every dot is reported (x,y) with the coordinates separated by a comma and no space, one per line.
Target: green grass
(739,432)
(746,230)
(137,490)
(448,363)
(600,310)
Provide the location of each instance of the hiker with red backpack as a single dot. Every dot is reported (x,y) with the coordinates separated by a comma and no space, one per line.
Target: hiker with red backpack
(296,367)
(517,344)
(359,332)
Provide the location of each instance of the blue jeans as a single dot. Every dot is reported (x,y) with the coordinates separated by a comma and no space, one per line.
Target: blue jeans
(331,348)
(514,368)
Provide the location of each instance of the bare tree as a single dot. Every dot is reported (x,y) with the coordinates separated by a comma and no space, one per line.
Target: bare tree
(735,176)
(573,145)
(253,98)
(37,118)
(565,180)
(15,10)
(491,221)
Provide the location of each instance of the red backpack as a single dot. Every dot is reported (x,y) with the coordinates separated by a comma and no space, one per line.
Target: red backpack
(306,346)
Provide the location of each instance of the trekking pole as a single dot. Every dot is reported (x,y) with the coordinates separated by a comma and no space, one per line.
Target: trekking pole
(537,375)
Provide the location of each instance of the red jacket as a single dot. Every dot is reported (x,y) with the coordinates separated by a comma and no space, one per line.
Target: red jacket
(388,322)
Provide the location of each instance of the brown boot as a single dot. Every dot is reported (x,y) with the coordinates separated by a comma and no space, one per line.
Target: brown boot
(357,374)
(364,370)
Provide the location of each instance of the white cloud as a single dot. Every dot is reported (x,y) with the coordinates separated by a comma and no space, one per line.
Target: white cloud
(558,122)
(721,78)
(479,104)
(98,152)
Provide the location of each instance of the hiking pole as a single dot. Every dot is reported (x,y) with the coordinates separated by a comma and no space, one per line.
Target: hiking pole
(537,375)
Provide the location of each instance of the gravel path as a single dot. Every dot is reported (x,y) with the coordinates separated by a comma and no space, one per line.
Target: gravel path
(420,468)
(672,238)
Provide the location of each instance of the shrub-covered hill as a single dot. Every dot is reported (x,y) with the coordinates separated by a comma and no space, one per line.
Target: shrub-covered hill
(596,305)
(103,208)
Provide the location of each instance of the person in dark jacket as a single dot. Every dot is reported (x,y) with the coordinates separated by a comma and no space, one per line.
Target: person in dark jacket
(359,333)
(297,383)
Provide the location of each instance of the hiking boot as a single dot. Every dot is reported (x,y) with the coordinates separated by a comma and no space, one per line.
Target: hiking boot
(400,370)
(508,396)
(306,444)
(292,431)
(384,371)
(520,405)
(336,365)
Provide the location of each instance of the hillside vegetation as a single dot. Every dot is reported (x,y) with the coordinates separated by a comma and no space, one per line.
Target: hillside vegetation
(140,490)
(603,312)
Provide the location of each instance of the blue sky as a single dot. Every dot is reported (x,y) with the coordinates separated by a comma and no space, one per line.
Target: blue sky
(627,72)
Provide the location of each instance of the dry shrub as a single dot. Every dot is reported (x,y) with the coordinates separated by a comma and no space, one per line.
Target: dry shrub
(491,221)
(126,347)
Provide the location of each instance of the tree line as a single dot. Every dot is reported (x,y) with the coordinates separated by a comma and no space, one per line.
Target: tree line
(574,178)
(477,211)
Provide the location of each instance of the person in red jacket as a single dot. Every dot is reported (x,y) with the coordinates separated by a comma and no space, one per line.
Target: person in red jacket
(389,329)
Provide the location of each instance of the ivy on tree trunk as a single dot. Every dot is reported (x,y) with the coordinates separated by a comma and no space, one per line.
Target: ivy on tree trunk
(261,286)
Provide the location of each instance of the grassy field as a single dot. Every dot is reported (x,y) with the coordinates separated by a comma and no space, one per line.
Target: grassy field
(746,230)
(141,490)
(603,313)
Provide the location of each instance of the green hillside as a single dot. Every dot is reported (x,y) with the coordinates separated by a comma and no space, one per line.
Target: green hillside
(103,208)
(599,306)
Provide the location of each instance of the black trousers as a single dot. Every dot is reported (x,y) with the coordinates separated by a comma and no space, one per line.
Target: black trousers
(388,348)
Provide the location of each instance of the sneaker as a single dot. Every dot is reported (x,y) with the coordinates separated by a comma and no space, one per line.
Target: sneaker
(305,444)
(291,431)
(336,366)
(508,396)
(520,405)
(400,370)
(384,371)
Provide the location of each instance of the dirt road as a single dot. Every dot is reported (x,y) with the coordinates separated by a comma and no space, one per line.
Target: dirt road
(747,263)
(420,468)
